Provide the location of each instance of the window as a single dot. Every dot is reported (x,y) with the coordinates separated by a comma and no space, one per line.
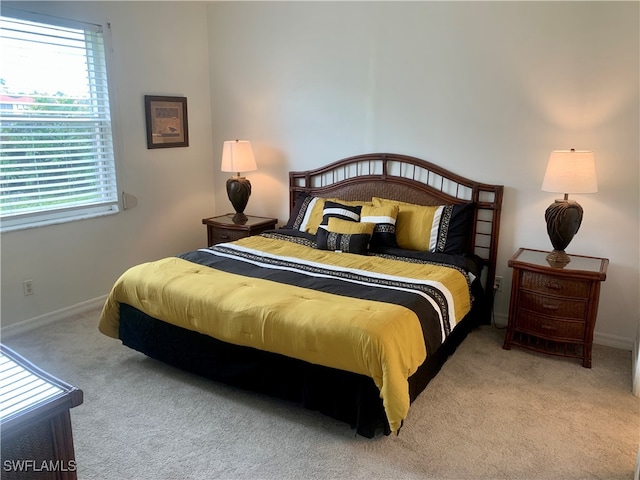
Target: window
(56,157)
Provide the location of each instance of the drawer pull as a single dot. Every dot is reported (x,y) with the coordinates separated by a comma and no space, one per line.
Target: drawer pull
(552,285)
(547,327)
(223,236)
(548,306)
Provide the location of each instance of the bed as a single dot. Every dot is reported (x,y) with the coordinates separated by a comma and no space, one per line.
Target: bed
(386,263)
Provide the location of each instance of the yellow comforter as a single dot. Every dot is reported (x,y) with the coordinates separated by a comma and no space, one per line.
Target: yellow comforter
(380,340)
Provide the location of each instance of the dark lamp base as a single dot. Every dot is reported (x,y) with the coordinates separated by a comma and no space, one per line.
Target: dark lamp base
(558,258)
(240,218)
(239,191)
(563,221)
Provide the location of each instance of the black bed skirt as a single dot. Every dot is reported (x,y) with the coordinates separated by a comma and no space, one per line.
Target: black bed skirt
(345,396)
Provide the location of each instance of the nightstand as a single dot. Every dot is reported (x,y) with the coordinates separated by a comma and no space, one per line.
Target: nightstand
(553,310)
(222,229)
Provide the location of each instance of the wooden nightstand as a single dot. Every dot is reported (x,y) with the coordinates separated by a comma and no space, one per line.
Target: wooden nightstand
(553,310)
(222,229)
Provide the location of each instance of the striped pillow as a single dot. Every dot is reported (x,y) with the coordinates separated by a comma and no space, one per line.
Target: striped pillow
(343,242)
(306,214)
(339,210)
(384,218)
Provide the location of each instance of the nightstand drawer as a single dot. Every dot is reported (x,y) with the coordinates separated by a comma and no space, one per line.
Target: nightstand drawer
(566,287)
(554,306)
(221,235)
(223,229)
(561,330)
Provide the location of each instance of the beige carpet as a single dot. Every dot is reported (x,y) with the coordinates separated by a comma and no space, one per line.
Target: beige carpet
(489,414)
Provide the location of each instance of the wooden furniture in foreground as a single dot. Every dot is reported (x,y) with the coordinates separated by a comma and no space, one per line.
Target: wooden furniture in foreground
(37,441)
(553,310)
(223,229)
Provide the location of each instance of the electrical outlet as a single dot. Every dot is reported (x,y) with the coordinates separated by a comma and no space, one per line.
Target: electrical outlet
(497,284)
(27,287)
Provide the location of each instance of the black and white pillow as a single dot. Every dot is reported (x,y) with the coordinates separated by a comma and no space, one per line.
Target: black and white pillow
(300,206)
(454,228)
(341,211)
(343,242)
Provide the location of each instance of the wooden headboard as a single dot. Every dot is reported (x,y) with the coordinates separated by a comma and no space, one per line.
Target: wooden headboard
(410,179)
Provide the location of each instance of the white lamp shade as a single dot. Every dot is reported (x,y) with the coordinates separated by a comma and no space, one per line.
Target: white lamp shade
(237,156)
(570,171)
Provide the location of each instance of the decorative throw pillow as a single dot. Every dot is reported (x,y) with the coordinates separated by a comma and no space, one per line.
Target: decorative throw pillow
(434,228)
(384,217)
(343,242)
(339,210)
(336,225)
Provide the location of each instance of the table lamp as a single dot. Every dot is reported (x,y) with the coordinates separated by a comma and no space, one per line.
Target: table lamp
(568,171)
(237,156)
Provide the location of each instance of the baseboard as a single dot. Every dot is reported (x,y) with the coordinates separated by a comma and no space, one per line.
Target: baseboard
(27,325)
(614,341)
(500,319)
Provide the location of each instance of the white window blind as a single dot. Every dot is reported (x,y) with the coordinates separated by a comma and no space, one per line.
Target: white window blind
(56,157)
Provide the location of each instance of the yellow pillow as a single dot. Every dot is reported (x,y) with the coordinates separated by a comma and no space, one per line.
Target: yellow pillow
(383,213)
(337,225)
(416,225)
(385,217)
(351,203)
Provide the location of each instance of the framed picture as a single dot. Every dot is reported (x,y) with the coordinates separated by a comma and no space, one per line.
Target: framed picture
(166,121)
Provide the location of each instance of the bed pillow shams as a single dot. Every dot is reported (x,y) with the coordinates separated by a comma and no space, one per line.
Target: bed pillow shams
(457,238)
(436,228)
(297,206)
(306,214)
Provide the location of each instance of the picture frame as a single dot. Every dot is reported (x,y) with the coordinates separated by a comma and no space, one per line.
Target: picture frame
(167,123)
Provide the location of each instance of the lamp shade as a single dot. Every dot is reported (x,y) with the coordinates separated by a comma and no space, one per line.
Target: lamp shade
(237,156)
(570,171)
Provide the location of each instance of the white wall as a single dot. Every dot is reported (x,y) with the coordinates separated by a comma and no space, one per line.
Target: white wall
(159,49)
(486,89)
